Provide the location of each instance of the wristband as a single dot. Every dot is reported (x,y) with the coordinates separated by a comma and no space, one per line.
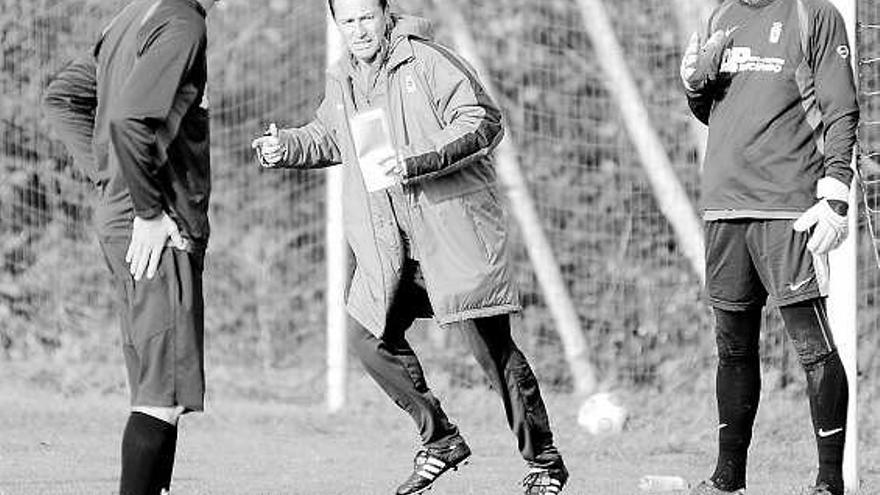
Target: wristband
(831,188)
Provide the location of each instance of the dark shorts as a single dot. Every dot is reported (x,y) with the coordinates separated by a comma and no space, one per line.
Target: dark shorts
(749,259)
(162,328)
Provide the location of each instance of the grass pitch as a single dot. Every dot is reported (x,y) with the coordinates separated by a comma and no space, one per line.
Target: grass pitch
(55,442)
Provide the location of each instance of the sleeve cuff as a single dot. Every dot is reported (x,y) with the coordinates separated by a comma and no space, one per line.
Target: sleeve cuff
(422,165)
(149,213)
(831,188)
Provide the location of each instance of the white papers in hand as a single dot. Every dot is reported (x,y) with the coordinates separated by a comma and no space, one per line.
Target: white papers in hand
(375,151)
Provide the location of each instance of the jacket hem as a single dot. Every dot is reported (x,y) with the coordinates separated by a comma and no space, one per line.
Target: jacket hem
(377,330)
(472,314)
(732,214)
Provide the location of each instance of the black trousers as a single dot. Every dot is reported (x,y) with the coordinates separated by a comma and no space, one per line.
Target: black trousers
(394,365)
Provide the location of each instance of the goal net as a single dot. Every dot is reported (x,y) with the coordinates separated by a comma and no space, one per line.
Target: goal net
(637,297)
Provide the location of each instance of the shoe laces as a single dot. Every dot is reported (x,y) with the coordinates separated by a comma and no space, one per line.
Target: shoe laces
(537,477)
(821,489)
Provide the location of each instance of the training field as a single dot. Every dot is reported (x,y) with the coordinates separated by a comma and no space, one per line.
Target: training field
(67,443)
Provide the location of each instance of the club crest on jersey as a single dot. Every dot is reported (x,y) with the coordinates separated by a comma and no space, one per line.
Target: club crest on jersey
(740,59)
(775,32)
(410,84)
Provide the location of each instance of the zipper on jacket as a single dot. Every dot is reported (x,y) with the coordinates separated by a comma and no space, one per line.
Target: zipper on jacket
(409,191)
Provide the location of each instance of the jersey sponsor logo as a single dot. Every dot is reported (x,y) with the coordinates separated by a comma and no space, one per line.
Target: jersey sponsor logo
(775,32)
(843,51)
(741,59)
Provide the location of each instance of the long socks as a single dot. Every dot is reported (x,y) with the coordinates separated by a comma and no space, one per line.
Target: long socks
(827,386)
(738,391)
(148,448)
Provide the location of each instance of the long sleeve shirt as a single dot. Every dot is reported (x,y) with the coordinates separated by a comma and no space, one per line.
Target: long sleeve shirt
(141,90)
(783,112)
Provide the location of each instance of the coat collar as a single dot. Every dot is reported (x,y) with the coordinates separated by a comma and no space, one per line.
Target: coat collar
(756,3)
(197,6)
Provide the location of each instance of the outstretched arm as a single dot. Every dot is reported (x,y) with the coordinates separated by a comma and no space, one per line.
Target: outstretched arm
(309,146)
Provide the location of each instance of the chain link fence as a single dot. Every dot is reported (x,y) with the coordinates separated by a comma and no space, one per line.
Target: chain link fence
(638,300)
(868,35)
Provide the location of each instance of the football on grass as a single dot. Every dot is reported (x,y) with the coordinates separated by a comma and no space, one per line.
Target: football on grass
(600,414)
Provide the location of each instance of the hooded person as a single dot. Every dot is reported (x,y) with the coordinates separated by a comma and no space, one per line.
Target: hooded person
(414,130)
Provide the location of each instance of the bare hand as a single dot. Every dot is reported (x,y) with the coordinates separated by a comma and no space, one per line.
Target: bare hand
(270,148)
(148,239)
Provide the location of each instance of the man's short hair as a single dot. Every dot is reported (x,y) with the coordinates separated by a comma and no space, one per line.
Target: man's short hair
(383,4)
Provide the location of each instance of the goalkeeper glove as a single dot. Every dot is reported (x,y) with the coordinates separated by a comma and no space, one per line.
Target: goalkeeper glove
(701,64)
(828,216)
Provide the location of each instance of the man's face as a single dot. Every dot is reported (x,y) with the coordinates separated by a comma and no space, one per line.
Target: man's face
(362,23)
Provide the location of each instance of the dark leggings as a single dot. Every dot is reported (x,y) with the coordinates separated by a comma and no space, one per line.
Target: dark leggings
(393,364)
(738,386)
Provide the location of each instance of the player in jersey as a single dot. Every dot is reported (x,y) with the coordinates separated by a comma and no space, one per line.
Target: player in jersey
(413,129)
(131,115)
(773,82)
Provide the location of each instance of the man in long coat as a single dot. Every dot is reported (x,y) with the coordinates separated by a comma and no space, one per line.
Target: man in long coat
(414,130)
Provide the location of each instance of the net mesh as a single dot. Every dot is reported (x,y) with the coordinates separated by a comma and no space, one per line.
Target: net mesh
(50,283)
(266,253)
(638,301)
(868,34)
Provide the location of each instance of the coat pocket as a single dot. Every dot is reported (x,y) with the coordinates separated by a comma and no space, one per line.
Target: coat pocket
(489,220)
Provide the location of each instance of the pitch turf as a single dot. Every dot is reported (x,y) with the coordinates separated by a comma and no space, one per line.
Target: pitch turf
(52,443)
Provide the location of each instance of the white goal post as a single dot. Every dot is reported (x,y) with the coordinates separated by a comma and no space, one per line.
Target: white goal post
(336,253)
(842,299)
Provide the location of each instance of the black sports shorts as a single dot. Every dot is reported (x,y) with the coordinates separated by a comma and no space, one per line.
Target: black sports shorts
(747,259)
(162,323)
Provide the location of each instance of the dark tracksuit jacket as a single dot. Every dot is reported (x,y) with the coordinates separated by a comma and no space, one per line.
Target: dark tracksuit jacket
(782,114)
(133,118)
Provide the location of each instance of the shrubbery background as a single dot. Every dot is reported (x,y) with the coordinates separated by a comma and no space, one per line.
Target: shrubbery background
(640,305)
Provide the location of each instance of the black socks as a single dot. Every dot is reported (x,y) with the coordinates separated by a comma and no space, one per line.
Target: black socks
(148,448)
(738,391)
(165,462)
(738,388)
(829,392)
(827,386)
